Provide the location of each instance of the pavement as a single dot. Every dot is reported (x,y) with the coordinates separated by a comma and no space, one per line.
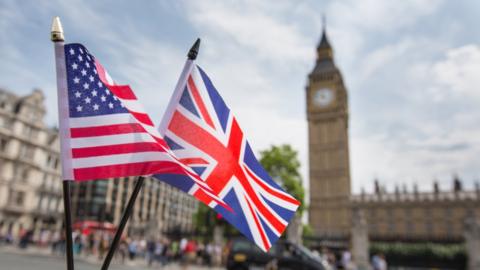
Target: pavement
(34,258)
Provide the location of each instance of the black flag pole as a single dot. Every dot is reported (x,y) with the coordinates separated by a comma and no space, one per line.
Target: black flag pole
(126,214)
(58,39)
(68,223)
(192,54)
(187,68)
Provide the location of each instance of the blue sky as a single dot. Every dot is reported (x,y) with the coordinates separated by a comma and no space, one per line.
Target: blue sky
(411,68)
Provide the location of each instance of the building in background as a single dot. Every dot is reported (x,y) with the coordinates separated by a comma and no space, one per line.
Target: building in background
(437,216)
(31,185)
(159,208)
(411,216)
(327,113)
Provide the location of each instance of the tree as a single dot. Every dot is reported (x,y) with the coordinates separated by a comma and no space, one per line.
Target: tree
(282,163)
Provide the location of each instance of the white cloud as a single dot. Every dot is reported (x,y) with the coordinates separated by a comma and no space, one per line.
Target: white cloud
(459,73)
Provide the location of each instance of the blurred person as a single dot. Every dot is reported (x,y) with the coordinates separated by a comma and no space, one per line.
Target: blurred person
(331,259)
(208,254)
(77,244)
(9,237)
(150,251)
(189,253)
(346,259)
(200,253)
(174,251)
(25,239)
(160,252)
(123,250)
(102,246)
(132,249)
(379,262)
(90,244)
(142,246)
(183,243)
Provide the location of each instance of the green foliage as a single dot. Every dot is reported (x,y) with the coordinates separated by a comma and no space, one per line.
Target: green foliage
(307,230)
(432,251)
(204,219)
(282,164)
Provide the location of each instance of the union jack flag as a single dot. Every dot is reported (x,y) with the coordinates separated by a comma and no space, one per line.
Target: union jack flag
(106,130)
(203,133)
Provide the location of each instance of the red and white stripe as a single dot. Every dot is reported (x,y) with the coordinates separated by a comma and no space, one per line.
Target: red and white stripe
(209,147)
(125,144)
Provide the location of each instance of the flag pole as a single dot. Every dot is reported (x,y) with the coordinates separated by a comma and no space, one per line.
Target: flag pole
(58,39)
(187,68)
(126,214)
(192,55)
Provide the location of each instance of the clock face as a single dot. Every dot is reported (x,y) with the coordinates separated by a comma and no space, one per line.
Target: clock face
(323,97)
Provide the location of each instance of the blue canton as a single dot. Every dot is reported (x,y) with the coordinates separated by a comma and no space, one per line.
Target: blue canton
(87,96)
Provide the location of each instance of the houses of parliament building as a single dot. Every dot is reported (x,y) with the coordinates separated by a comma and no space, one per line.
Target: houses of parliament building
(399,215)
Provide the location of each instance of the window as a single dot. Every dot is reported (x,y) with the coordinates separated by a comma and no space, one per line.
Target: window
(27,151)
(3,144)
(17,197)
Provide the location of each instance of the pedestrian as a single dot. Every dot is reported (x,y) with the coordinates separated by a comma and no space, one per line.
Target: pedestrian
(379,262)
(77,244)
(150,251)
(132,249)
(123,250)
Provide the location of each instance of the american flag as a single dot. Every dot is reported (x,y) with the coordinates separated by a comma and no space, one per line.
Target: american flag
(110,134)
(203,133)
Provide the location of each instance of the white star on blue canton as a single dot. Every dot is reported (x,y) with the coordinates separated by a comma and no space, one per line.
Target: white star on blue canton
(79,108)
(99,84)
(87,100)
(72,52)
(81,51)
(103,98)
(95,107)
(90,78)
(77,94)
(108,92)
(76,80)
(74,65)
(87,64)
(95,71)
(84,72)
(94,93)
(110,105)
(86,86)
(88,57)
(80,58)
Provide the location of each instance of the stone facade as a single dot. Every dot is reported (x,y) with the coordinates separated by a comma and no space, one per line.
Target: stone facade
(432,216)
(327,113)
(30,185)
(159,208)
(437,215)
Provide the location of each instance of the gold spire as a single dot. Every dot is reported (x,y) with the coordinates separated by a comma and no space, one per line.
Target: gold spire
(56,33)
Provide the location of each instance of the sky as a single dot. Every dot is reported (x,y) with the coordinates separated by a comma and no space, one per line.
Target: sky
(412,70)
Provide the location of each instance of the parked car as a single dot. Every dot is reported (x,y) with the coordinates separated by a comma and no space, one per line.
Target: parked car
(244,255)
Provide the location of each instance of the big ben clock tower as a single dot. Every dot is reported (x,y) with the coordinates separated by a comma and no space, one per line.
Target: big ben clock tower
(327,113)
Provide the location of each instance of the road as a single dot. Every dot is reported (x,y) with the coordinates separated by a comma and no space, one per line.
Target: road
(18,260)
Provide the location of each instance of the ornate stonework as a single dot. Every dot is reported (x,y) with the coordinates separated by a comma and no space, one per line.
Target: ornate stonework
(327,112)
